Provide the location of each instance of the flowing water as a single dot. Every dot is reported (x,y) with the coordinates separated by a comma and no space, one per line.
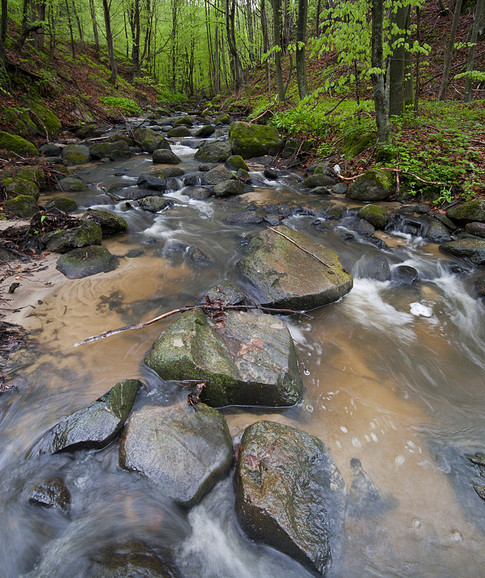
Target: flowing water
(394,376)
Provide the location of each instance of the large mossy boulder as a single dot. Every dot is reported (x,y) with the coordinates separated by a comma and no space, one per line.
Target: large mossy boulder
(150,140)
(230,188)
(65,204)
(254,140)
(64,240)
(214,152)
(15,144)
(290,494)
(86,261)
(288,269)
(471,249)
(93,426)
(47,123)
(183,450)
(24,206)
(110,150)
(374,185)
(73,154)
(468,212)
(244,358)
(205,131)
(110,223)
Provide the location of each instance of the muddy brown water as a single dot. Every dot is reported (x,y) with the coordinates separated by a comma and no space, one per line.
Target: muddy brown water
(394,376)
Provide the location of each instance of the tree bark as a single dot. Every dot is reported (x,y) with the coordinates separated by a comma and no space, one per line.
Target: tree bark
(397,65)
(135,37)
(94,21)
(480,9)
(300,48)
(264,28)
(277,44)
(381,100)
(449,51)
(109,41)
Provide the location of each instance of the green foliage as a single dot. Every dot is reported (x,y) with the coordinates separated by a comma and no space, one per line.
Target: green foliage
(437,147)
(165,95)
(121,105)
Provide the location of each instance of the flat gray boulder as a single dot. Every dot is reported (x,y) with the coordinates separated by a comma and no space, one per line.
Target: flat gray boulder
(290,494)
(288,269)
(468,212)
(94,426)
(184,450)
(217,175)
(244,358)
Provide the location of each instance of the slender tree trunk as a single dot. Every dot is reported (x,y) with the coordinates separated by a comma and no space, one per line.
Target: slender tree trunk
(78,22)
(264,28)
(71,32)
(397,67)
(135,38)
(449,51)
(300,48)
(237,71)
(479,11)
(417,86)
(94,21)
(381,101)
(249,12)
(109,40)
(277,44)
(174,51)
(317,18)
(3,26)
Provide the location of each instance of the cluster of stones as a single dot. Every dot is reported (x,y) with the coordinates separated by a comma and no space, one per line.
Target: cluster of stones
(289,492)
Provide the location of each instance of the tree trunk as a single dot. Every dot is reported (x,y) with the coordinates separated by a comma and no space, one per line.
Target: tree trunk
(71,33)
(480,9)
(449,51)
(92,10)
(3,26)
(264,28)
(109,40)
(78,22)
(381,101)
(317,18)
(174,51)
(250,29)
(417,86)
(300,48)
(135,37)
(397,66)
(231,41)
(276,4)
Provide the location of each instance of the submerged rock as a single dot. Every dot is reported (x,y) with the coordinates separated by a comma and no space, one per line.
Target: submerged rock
(288,269)
(86,261)
(51,494)
(290,494)
(94,426)
(244,358)
(184,450)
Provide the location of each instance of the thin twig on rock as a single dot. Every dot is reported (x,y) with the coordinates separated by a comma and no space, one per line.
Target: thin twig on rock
(300,247)
(205,307)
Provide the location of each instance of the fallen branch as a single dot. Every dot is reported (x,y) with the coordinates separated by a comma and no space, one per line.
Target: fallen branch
(401,171)
(205,307)
(300,247)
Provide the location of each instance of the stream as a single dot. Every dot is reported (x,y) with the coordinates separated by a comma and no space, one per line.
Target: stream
(394,376)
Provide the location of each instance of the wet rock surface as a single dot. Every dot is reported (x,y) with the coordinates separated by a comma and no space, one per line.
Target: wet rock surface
(291,270)
(93,426)
(86,261)
(184,450)
(51,493)
(290,494)
(245,359)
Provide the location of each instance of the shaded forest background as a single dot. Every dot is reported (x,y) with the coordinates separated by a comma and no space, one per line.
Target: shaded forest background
(312,67)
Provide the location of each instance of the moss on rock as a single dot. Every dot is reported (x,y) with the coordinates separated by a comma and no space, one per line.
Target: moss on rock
(374,185)
(23,206)
(252,140)
(375,215)
(13,143)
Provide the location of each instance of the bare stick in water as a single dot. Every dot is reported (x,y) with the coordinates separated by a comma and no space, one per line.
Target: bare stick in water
(217,307)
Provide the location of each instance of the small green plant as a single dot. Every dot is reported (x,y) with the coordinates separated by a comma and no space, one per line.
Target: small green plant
(121,105)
